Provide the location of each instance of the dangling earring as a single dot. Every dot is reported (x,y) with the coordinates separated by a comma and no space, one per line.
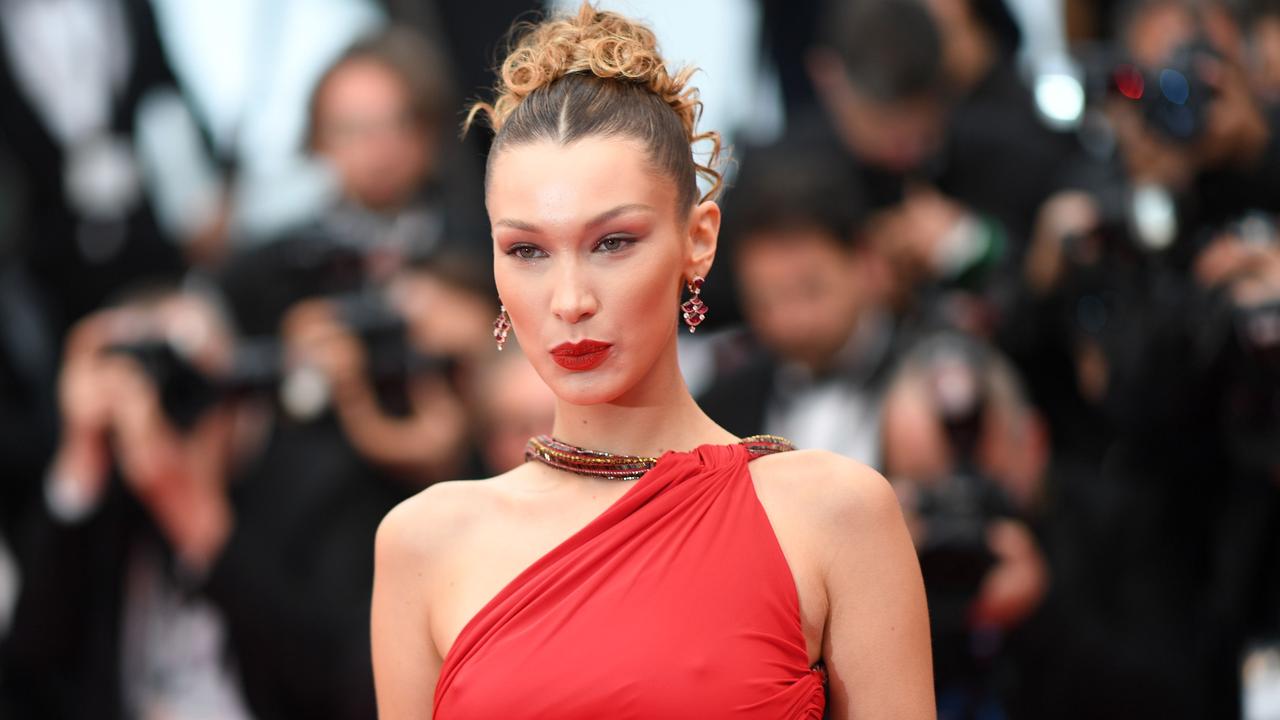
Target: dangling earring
(694,310)
(501,326)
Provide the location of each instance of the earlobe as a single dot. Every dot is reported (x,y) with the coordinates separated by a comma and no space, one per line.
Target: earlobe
(704,233)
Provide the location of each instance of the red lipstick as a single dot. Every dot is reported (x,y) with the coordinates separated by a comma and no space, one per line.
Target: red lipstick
(582,355)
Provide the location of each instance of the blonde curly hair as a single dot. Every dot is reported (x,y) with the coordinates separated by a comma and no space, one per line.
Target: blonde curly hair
(600,73)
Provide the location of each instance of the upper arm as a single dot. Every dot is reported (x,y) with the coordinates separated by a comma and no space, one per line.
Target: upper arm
(406,663)
(876,643)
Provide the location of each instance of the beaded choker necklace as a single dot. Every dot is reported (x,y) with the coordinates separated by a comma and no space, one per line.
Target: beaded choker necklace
(563,456)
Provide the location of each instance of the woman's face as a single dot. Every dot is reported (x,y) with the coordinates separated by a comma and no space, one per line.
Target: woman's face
(590,255)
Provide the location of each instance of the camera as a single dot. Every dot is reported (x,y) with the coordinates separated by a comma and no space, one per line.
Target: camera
(1174,98)
(957,510)
(258,368)
(186,393)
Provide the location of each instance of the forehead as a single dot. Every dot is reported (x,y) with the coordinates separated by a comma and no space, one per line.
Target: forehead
(545,182)
(360,80)
(1155,31)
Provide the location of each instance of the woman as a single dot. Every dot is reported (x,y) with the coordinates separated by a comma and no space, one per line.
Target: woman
(656,574)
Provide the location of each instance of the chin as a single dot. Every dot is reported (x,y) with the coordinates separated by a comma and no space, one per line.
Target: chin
(582,389)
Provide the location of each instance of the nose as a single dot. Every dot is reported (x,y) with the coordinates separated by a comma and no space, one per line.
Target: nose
(572,299)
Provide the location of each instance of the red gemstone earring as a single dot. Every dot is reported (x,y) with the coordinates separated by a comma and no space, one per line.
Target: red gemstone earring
(501,326)
(693,309)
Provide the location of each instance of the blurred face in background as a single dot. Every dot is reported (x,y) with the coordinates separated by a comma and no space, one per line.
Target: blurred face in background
(1012,449)
(1155,31)
(1235,130)
(1264,57)
(517,405)
(897,135)
(802,292)
(443,319)
(365,126)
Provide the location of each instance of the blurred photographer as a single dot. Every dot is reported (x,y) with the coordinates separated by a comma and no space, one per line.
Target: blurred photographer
(821,342)
(198,555)
(397,366)
(1159,376)
(380,119)
(1114,273)
(1147,335)
(1184,114)
(967,456)
(925,97)
(97,551)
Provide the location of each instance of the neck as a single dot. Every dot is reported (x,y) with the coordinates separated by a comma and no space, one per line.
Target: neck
(656,415)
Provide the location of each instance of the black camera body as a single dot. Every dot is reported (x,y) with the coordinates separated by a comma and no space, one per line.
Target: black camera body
(258,369)
(1173,98)
(954,555)
(1177,99)
(186,393)
(957,509)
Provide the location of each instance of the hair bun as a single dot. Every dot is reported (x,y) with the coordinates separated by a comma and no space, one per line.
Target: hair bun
(605,44)
(602,43)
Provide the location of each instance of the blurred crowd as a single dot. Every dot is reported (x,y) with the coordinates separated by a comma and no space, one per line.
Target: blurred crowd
(1039,291)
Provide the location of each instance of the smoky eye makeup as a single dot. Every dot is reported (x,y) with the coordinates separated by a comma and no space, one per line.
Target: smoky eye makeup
(608,245)
(615,242)
(525,251)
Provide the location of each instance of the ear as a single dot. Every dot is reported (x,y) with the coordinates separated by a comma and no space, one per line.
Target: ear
(704,233)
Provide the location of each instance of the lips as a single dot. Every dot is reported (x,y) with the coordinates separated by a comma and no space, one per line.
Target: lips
(582,355)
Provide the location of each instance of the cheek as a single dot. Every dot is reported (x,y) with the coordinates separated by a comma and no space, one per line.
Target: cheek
(645,296)
(517,295)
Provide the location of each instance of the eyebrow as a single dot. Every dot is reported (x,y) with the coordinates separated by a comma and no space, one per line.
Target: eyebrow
(600,219)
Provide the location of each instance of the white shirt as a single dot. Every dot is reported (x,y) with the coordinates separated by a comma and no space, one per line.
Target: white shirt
(839,412)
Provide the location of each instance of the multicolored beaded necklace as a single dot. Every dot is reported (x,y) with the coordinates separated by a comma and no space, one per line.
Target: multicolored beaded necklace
(563,456)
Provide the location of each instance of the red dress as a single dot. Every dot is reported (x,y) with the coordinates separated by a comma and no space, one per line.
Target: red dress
(676,602)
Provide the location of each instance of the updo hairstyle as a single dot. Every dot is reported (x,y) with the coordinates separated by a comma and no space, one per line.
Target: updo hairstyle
(599,73)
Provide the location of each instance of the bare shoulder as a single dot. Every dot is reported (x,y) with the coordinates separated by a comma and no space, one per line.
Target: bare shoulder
(830,489)
(422,526)
(419,543)
(874,620)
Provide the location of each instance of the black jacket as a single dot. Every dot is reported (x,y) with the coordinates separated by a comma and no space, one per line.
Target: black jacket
(50,229)
(292,584)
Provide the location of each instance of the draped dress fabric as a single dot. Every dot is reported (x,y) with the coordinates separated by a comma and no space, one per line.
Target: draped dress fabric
(675,602)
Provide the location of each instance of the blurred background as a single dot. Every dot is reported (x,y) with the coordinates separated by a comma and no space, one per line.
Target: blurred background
(1021,256)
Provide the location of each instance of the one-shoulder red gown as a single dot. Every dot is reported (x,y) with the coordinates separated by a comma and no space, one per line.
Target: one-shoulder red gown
(676,602)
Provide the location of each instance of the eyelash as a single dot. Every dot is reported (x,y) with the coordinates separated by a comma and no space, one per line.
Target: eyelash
(623,240)
(515,251)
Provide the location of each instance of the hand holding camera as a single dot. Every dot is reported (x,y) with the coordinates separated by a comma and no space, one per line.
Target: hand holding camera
(1192,114)
(178,475)
(79,470)
(130,394)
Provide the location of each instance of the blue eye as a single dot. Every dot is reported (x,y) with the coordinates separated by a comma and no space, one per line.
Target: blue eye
(526,252)
(614,243)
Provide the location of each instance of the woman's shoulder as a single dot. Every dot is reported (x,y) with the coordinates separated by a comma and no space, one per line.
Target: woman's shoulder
(825,487)
(426,523)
